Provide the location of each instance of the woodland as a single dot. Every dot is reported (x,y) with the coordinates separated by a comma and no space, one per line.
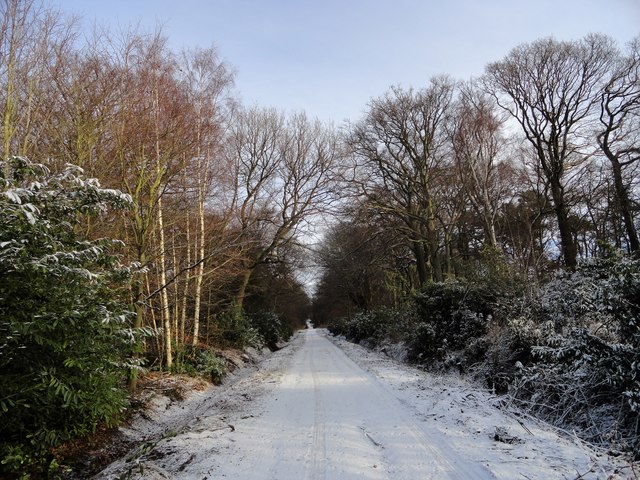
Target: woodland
(148,219)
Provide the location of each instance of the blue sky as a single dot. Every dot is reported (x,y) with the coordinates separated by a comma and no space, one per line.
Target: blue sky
(330,57)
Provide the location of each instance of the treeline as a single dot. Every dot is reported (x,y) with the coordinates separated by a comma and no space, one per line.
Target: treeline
(218,191)
(492,228)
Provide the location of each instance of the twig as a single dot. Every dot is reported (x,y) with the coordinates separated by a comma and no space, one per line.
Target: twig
(581,475)
(524,426)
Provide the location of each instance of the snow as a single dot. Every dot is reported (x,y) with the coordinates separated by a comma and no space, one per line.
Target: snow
(323,408)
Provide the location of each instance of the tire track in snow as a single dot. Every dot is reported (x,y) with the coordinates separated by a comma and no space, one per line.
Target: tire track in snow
(408,451)
(318,445)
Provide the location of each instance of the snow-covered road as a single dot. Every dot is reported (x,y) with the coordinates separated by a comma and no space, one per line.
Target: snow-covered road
(329,419)
(313,412)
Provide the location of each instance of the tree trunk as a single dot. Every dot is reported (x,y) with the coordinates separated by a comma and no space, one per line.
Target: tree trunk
(187,280)
(154,322)
(138,322)
(490,230)
(421,264)
(436,264)
(433,258)
(433,243)
(176,295)
(567,243)
(242,291)
(8,120)
(200,256)
(622,198)
(164,296)
(448,254)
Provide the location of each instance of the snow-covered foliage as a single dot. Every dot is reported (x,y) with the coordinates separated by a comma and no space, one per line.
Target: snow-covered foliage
(452,314)
(234,329)
(568,351)
(64,336)
(586,372)
(376,326)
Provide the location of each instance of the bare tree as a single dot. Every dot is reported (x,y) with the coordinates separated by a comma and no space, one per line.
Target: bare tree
(286,169)
(399,147)
(550,87)
(16,34)
(480,151)
(207,80)
(35,46)
(619,131)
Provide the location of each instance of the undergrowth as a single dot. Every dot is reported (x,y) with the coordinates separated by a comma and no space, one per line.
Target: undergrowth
(567,352)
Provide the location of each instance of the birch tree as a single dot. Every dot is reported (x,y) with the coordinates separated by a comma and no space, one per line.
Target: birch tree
(208,81)
(480,148)
(151,137)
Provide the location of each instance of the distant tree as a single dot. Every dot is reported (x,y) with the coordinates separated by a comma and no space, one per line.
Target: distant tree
(286,171)
(399,147)
(357,264)
(275,293)
(550,87)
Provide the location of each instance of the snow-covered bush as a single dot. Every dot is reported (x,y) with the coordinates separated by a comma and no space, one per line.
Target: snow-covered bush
(338,326)
(65,341)
(377,326)
(511,337)
(586,370)
(201,360)
(451,315)
(370,325)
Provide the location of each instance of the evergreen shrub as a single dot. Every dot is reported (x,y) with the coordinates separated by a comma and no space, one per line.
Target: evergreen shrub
(65,333)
